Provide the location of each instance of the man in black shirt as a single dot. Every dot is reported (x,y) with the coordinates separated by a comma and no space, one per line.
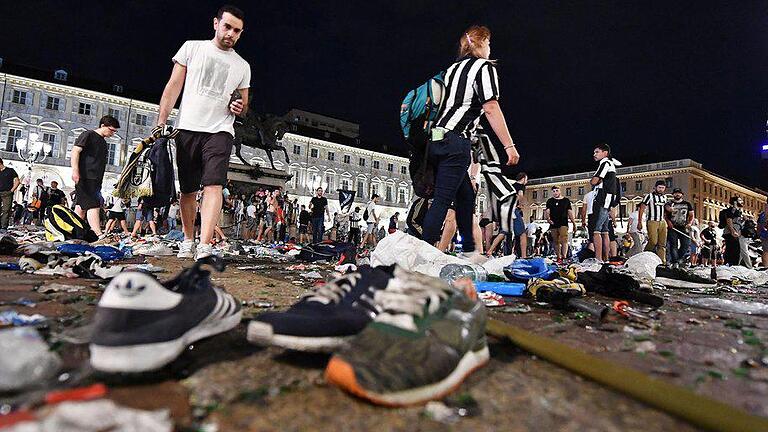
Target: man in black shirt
(9,182)
(732,230)
(709,244)
(56,196)
(679,217)
(318,205)
(89,160)
(304,218)
(558,213)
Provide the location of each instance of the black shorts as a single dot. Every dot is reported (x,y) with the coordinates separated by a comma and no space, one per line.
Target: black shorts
(120,216)
(202,159)
(302,229)
(88,193)
(484,222)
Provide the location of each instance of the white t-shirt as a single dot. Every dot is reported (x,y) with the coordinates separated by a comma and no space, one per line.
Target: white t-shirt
(212,75)
(173,211)
(632,222)
(117,205)
(589,199)
(371,207)
(531,229)
(251,211)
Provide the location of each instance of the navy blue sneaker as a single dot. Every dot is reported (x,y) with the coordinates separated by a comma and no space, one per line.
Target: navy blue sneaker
(142,324)
(328,318)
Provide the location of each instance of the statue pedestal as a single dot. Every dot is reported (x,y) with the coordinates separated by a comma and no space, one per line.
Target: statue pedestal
(250,178)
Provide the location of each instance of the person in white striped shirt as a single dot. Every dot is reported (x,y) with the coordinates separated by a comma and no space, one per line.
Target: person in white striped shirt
(655,202)
(472,89)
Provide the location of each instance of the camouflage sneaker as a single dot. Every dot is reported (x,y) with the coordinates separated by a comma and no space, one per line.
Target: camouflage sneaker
(428,338)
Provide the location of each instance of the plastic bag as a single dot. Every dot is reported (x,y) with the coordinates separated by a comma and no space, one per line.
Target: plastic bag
(31,361)
(644,264)
(412,254)
(749,308)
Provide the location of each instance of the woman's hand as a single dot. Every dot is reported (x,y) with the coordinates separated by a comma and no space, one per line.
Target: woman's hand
(512,155)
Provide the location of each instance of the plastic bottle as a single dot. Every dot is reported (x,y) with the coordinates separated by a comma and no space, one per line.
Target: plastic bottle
(31,361)
(452,272)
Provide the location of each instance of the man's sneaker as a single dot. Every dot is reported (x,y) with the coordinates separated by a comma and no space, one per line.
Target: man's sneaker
(428,338)
(186,249)
(204,250)
(142,324)
(326,319)
(679,278)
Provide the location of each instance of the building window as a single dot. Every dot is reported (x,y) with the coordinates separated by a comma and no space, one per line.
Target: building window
(112,153)
(117,88)
(374,189)
(50,138)
(331,156)
(115,113)
(695,183)
(389,193)
(60,75)
(84,108)
(639,186)
(401,198)
(581,190)
(141,119)
(345,184)
(52,103)
(567,192)
(390,167)
(361,189)
(328,183)
(375,164)
(313,153)
(668,181)
(403,170)
(296,149)
(362,162)
(347,159)
(13,136)
(19,97)
(545,193)
(623,187)
(535,194)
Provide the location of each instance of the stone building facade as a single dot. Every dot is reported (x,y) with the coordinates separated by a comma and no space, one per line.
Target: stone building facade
(708,192)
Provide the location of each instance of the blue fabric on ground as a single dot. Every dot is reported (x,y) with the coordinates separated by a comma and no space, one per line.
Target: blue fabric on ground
(175,235)
(502,288)
(525,269)
(106,253)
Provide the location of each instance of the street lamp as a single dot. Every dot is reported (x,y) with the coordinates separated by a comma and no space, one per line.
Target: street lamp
(32,151)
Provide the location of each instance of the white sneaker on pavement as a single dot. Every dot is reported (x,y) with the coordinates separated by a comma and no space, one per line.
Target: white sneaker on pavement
(204,250)
(186,249)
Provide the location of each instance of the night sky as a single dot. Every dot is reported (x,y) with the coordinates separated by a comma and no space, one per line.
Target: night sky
(656,80)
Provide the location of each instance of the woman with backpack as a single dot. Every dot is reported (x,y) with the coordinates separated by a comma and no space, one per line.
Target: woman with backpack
(472,89)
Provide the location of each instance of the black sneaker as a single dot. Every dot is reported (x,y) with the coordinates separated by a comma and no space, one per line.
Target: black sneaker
(679,278)
(142,324)
(326,319)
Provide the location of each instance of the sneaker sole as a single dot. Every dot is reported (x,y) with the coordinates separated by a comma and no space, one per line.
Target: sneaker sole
(676,283)
(342,375)
(147,357)
(184,256)
(261,334)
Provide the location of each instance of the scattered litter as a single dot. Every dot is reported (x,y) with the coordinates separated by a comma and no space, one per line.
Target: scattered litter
(495,266)
(296,267)
(411,254)
(98,415)
(147,268)
(57,287)
(440,412)
(643,265)
(10,266)
(77,335)
(19,302)
(345,268)
(258,304)
(519,308)
(491,299)
(11,317)
(31,362)
(645,346)
(91,392)
(749,308)
(253,267)
(503,288)
(311,275)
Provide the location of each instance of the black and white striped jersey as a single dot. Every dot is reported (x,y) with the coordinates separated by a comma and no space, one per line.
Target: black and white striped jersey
(608,189)
(655,206)
(470,82)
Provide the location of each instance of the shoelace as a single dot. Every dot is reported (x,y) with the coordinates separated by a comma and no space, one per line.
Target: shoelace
(195,278)
(335,290)
(406,297)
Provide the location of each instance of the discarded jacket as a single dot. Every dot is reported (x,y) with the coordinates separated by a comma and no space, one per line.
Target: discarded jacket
(337,252)
(617,285)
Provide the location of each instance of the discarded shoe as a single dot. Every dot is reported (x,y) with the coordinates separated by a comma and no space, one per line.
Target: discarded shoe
(327,319)
(427,340)
(679,278)
(142,324)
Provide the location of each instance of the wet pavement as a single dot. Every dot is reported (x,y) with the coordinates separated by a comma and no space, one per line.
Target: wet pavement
(226,383)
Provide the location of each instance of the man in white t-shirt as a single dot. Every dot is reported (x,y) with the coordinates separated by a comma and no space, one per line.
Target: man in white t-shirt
(371,220)
(252,224)
(216,81)
(530,232)
(637,241)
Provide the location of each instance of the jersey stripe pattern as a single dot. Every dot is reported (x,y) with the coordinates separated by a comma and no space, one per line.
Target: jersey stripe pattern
(470,83)
(655,203)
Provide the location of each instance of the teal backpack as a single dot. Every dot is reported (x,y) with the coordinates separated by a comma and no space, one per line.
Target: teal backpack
(418,112)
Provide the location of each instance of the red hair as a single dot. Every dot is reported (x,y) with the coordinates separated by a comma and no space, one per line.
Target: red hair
(471,39)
